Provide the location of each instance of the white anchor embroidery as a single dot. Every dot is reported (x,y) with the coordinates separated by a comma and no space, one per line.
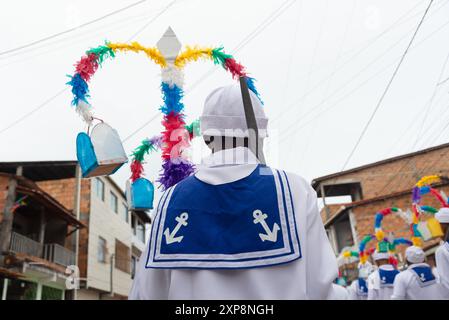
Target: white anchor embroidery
(271,235)
(170,237)
(422,277)
(384,280)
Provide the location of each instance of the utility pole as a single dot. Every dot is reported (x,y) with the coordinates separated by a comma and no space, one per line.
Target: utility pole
(112,275)
(8,216)
(76,207)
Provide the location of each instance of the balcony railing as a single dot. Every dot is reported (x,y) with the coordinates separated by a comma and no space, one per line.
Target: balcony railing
(58,254)
(22,244)
(52,252)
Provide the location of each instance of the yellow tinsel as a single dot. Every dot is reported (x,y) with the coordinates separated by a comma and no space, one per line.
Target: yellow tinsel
(152,53)
(363,259)
(346,254)
(417,241)
(193,54)
(415,219)
(428,180)
(380,235)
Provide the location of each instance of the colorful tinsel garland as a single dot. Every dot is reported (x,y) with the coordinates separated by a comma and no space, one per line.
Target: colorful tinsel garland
(154,144)
(421,188)
(176,135)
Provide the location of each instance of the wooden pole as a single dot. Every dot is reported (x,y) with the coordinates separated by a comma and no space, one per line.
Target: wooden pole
(254,141)
(8,216)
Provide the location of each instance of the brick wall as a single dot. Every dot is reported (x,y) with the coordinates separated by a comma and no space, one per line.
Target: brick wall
(398,175)
(64,191)
(364,216)
(383,180)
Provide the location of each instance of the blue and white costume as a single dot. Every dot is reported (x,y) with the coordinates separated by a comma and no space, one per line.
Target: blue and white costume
(237,230)
(358,290)
(442,254)
(380,282)
(204,226)
(417,282)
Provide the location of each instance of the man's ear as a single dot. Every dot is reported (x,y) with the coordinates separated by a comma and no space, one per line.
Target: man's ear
(208,140)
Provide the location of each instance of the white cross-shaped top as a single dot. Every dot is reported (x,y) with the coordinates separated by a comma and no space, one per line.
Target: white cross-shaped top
(169,45)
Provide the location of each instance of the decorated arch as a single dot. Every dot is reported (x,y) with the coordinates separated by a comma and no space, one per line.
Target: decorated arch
(175,136)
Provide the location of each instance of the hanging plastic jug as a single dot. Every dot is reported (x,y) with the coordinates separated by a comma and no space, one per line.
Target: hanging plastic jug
(101,153)
(140,194)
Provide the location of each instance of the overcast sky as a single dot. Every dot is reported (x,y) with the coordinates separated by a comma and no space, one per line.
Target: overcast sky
(321,67)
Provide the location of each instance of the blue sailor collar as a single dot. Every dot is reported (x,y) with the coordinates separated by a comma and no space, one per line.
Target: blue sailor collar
(387,276)
(362,288)
(423,273)
(243,224)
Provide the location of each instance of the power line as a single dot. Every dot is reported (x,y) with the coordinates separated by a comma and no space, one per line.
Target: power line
(46,102)
(294,125)
(71,29)
(154,117)
(386,89)
(76,38)
(426,113)
(25,116)
(352,57)
(151,20)
(263,25)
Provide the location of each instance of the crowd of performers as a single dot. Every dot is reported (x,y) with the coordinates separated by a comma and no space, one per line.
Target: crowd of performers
(415,279)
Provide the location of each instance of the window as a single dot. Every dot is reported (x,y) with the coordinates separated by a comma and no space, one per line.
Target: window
(133,266)
(102,247)
(99,188)
(49,293)
(122,256)
(21,290)
(114,202)
(125,213)
(140,231)
(133,223)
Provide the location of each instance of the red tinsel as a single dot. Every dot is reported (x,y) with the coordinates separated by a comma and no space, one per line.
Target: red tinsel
(236,69)
(438,196)
(136,170)
(393,261)
(172,123)
(385,211)
(87,66)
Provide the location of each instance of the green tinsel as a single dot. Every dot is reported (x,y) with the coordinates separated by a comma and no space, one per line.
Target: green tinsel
(429,209)
(220,57)
(145,148)
(194,128)
(102,53)
(366,239)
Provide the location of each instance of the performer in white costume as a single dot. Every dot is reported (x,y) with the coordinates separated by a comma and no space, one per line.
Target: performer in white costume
(236,229)
(442,253)
(380,282)
(417,282)
(358,290)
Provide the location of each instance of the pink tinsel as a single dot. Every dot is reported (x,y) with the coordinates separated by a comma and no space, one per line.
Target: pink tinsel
(87,66)
(236,69)
(172,123)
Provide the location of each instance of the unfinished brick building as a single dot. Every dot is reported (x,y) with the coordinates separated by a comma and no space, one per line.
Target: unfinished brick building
(352,197)
(42,233)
